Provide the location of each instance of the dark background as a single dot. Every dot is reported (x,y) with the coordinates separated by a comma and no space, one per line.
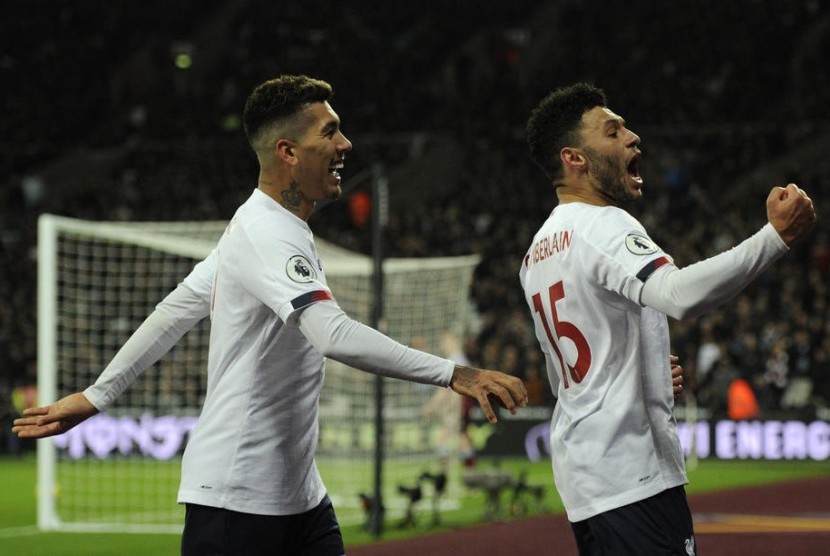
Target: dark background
(131,111)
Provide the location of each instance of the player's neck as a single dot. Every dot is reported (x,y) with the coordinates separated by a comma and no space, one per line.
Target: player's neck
(289,195)
(590,196)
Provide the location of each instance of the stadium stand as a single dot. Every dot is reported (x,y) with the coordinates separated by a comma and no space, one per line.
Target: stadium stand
(111,107)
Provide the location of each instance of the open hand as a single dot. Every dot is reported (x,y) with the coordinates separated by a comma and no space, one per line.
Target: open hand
(57,418)
(489,386)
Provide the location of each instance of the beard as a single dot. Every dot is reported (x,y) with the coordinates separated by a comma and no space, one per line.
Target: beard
(611,176)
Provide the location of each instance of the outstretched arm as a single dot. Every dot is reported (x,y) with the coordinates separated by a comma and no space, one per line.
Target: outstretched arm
(343,339)
(180,311)
(176,314)
(156,335)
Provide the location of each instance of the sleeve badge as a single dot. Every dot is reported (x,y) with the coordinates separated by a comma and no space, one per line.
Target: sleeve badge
(300,270)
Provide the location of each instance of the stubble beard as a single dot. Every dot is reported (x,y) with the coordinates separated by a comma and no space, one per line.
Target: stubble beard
(610,178)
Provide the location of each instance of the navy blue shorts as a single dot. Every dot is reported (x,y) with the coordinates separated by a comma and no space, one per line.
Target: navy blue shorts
(661,524)
(212,531)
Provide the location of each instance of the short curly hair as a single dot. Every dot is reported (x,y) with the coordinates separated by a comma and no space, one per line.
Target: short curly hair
(555,122)
(278,101)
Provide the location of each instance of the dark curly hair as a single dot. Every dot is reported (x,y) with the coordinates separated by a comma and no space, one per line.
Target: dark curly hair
(555,122)
(278,100)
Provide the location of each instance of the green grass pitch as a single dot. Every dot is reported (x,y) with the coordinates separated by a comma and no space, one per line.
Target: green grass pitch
(18,507)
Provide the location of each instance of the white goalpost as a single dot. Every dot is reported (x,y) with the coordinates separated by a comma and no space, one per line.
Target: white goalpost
(119,471)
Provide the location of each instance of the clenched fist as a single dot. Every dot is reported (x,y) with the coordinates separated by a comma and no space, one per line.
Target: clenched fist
(791,212)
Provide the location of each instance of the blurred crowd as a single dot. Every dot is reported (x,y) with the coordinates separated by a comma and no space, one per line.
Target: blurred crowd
(131,111)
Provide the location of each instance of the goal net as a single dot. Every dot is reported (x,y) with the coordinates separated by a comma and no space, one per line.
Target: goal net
(119,470)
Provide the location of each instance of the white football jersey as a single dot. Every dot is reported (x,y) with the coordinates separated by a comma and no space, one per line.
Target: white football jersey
(613,434)
(253,448)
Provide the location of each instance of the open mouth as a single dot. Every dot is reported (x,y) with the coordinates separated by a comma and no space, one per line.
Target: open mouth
(634,169)
(335,167)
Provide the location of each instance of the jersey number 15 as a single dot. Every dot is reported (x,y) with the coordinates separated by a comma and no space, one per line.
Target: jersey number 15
(564,329)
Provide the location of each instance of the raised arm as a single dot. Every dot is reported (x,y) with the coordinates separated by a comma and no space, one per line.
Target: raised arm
(705,285)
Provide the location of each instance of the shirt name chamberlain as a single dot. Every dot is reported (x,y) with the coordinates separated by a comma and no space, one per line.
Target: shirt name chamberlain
(549,246)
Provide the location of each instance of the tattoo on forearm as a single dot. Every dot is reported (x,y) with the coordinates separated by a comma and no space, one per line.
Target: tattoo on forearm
(464,376)
(292,197)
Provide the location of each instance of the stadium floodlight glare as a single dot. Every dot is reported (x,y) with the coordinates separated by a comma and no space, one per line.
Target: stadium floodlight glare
(119,471)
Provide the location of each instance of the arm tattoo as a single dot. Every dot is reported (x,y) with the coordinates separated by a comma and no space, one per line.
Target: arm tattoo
(464,376)
(292,197)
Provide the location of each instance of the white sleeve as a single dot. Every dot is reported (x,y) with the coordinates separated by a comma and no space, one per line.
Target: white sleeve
(343,339)
(176,314)
(703,286)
